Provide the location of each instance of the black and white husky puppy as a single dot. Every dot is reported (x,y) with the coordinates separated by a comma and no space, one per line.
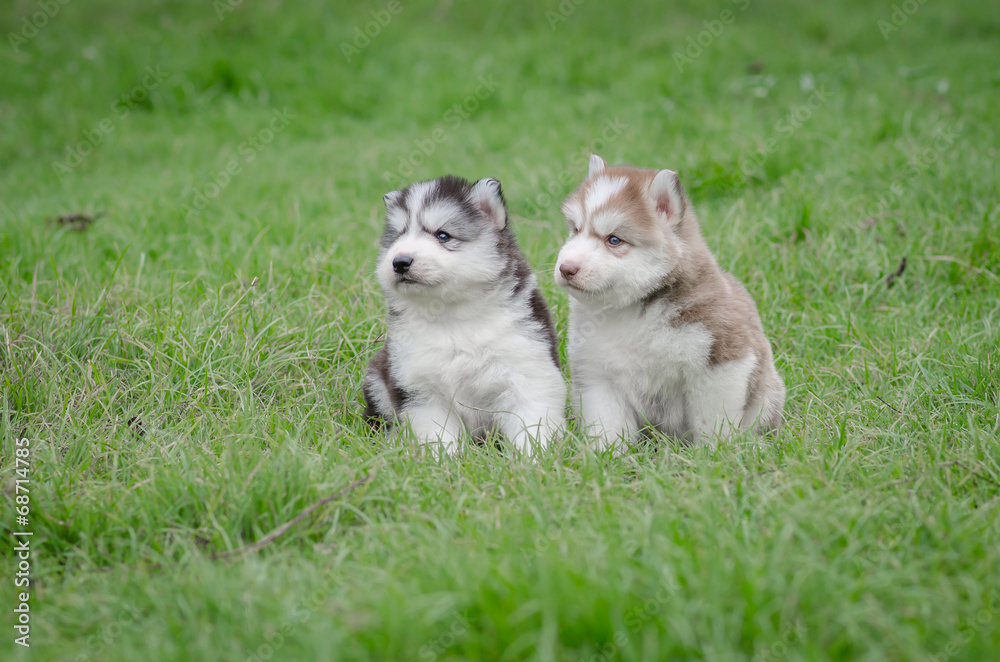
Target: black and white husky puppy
(470,346)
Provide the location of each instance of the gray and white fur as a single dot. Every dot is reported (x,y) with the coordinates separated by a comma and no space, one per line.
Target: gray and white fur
(470,346)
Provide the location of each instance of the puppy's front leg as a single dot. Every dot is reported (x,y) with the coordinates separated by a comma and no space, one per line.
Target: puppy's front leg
(436,427)
(716,400)
(531,426)
(606,416)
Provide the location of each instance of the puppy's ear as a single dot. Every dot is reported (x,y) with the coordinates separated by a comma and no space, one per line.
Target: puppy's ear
(487,195)
(597,164)
(668,196)
(392,199)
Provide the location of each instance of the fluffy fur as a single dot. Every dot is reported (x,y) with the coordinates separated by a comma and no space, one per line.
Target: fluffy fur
(659,336)
(471,346)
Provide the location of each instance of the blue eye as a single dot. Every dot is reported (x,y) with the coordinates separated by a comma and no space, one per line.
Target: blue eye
(613,240)
(443,236)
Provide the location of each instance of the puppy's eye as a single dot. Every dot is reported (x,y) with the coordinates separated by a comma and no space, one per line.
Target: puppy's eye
(443,236)
(614,241)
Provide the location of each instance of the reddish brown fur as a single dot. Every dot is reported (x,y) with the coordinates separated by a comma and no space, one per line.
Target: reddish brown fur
(697,288)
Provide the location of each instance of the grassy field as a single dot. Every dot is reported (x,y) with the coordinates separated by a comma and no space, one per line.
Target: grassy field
(187,367)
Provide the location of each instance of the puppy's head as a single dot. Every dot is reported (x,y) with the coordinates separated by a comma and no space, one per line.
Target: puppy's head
(623,234)
(441,239)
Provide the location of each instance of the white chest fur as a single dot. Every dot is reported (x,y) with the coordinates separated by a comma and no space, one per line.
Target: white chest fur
(632,368)
(628,342)
(478,360)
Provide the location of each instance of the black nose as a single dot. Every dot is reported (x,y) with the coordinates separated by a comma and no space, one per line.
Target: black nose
(401,263)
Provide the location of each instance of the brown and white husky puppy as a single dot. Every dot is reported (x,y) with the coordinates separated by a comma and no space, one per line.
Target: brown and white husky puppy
(470,346)
(659,335)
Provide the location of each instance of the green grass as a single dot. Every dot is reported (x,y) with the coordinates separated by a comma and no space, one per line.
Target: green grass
(191,382)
